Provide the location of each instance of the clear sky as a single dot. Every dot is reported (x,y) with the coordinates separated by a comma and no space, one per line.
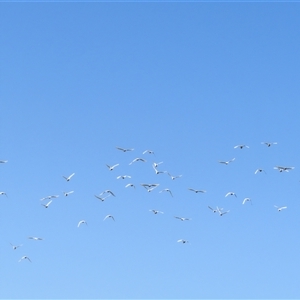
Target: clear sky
(188,81)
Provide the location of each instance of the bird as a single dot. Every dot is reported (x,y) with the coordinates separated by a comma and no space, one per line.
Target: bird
(247,200)
(16,246)
(130,185)
(108,192)
(182,219)
(148,151)
(158,172)
(81,222)
(109,216)
(221,213)
(111,168)
(230,194)
(123,176)
(259,171)
(214,210)
(156,164)
(3,161)
(167,190)
(137,159)
(182,241)
(156,211)
(124,150)
(150,187)
(35,238)
(197,191)
(49,197)
(286,169)
(3,193)
(47,205)
(241,146)
(68,178)
(268,144)
(226,162)
(174,177)
(24,257)
(280,208)
(102,198)
(68,193)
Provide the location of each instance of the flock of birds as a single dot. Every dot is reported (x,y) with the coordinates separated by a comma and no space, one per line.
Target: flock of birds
(149,188)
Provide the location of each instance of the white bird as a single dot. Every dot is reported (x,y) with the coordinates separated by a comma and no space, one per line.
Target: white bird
(3,193)
(286,169)
(156,164)
(197,191)
(156,211)
(158,172)
(241,146)
(230,194)
(259,171)
(221,213)
(150,187)
(3,161)
(174,177)
(49,197)
(102,198)
(167,190)
(214,210)
(35,238)
(108,192)
(124,150)
(137,159)
(182,241)
(246,200)
(226,162)
(280,208)
(16,246)
(109,216)
(130,185)
(47,205)
(182,219)
(68,178)
(24,257)
(81,222)
(112,167)
(269,144)
(148,151)
(123,176)
(68,193)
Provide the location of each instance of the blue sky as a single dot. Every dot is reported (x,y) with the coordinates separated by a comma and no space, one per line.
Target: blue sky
(187,80)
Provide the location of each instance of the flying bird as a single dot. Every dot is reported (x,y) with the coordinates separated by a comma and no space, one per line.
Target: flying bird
(130,185)
(102,198)
(109,216)
(3,193)
(167,190)
(241,146)
(214,210)
(182,241)
(24,257)
(269,144)
(182,219)
(150,187)
(49,197)
(68,178)
(137,159)
(286,169)
(226,162)
(197,191)
(221,212)
(158,172)
(81,222)
(35,238)
(156,164)
(16,246)
(112,167)
(108,192)
(156,211)
(174,177)
(230,194)
(68,193)
(124,150)
(3,161)
(123,176)
(259,171)
(148,151)
(247,200)
(280,208)
(47,205)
